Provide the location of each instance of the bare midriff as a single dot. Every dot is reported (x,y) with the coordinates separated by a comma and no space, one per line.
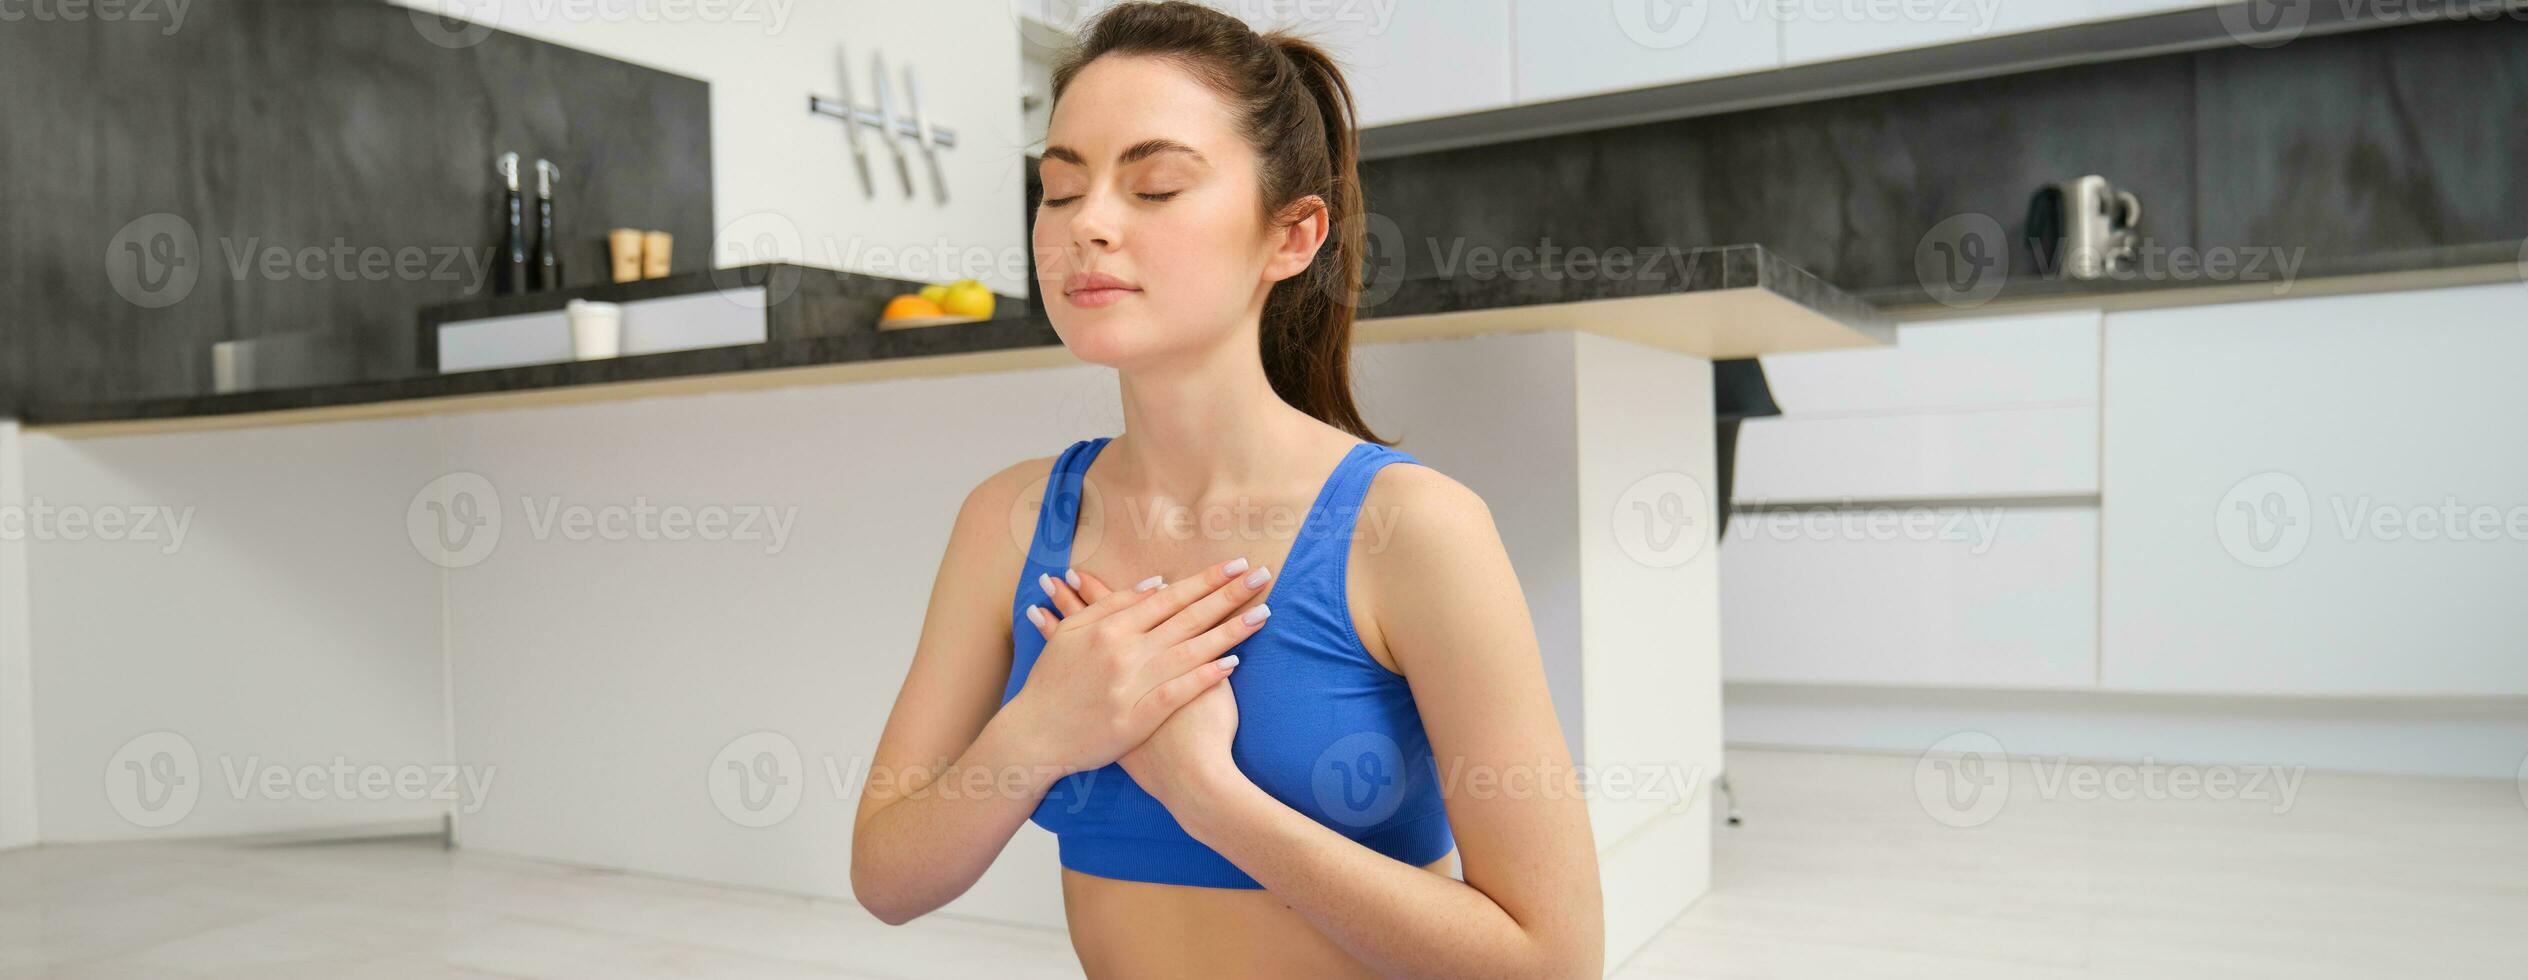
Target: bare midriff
(1130,930)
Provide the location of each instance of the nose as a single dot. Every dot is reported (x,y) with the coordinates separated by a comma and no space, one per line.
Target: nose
(1093,224)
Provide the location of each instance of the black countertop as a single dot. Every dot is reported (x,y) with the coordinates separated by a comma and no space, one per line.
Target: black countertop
(822,317)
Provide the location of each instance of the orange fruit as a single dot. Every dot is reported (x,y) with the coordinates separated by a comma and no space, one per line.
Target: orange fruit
(908,306)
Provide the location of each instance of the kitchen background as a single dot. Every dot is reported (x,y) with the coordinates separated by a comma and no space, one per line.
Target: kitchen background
(2246,502)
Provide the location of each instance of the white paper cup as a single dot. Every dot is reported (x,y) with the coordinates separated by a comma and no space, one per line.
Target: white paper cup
(596,329)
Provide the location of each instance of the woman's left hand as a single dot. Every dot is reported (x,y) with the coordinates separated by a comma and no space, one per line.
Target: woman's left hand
(1190,750)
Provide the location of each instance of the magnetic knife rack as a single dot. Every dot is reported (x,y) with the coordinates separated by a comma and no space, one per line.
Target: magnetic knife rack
(892,128)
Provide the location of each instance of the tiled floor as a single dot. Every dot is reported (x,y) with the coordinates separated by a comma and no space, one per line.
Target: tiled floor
(1840,871)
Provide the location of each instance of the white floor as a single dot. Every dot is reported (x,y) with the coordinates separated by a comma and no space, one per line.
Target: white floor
(1840,871)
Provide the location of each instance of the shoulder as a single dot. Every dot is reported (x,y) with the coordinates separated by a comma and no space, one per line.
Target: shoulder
(1426,509)
(1001,508)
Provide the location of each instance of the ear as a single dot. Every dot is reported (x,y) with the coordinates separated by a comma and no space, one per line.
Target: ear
(1295,246)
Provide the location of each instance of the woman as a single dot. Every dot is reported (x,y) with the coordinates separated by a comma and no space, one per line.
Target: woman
(1200,233)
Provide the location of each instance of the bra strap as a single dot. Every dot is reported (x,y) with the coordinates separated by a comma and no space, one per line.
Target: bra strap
(1335,519)
(1058,515)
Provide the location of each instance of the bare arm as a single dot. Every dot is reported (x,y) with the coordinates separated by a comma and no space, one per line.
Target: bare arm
(919,841)
(1453,617)
(957,771)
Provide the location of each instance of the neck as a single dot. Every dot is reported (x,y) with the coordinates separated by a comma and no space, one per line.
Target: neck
(1199,430)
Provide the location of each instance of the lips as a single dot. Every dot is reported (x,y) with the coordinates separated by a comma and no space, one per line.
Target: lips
(1095,289)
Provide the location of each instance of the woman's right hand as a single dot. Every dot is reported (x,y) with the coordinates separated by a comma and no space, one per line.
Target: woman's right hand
(1116,663)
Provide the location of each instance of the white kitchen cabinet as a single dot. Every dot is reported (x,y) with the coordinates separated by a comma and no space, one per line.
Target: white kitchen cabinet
(1405,59)
(2324,496)
(2004,453)
(1952,597)
(1565,50)
(1947,365)
(1831,30)
(1418,59)
(1977,408)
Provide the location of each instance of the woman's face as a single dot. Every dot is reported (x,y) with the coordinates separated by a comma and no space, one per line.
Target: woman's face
(1146,181)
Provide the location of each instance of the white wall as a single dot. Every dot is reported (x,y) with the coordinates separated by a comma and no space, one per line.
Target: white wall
(785,186)
(270,613)
(608,676)
(17,722)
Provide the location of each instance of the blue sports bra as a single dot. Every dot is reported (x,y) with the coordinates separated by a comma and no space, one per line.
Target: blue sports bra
(1322,726)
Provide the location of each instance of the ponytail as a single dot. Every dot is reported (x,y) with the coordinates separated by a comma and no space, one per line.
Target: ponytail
(1296,110)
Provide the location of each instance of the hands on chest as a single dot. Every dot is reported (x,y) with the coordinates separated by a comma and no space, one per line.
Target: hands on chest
(1136,675)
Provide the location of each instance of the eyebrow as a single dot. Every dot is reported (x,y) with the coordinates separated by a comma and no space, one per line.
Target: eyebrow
(1137,152)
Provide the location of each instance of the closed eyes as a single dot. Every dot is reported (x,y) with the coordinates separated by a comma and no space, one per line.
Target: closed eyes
(1055,202)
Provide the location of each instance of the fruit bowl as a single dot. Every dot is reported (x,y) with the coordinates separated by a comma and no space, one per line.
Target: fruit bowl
(939,304)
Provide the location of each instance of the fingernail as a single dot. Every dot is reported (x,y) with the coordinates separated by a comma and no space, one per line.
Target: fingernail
(1045,582)
(1234,566)
(1257,614)
(1071,575)
(1035,614)
(1228,662)
(1147,584)
(1257,577)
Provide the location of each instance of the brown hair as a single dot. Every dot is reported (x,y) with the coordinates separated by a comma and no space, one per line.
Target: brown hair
(1296,111)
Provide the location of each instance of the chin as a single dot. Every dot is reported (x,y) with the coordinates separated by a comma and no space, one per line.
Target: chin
(1098,337)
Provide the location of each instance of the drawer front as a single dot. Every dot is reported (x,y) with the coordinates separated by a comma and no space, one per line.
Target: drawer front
(1972,597)
(2032,452)
(1979,363)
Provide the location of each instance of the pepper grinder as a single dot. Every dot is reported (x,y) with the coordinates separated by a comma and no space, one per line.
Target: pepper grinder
(548,265)
(511,277)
